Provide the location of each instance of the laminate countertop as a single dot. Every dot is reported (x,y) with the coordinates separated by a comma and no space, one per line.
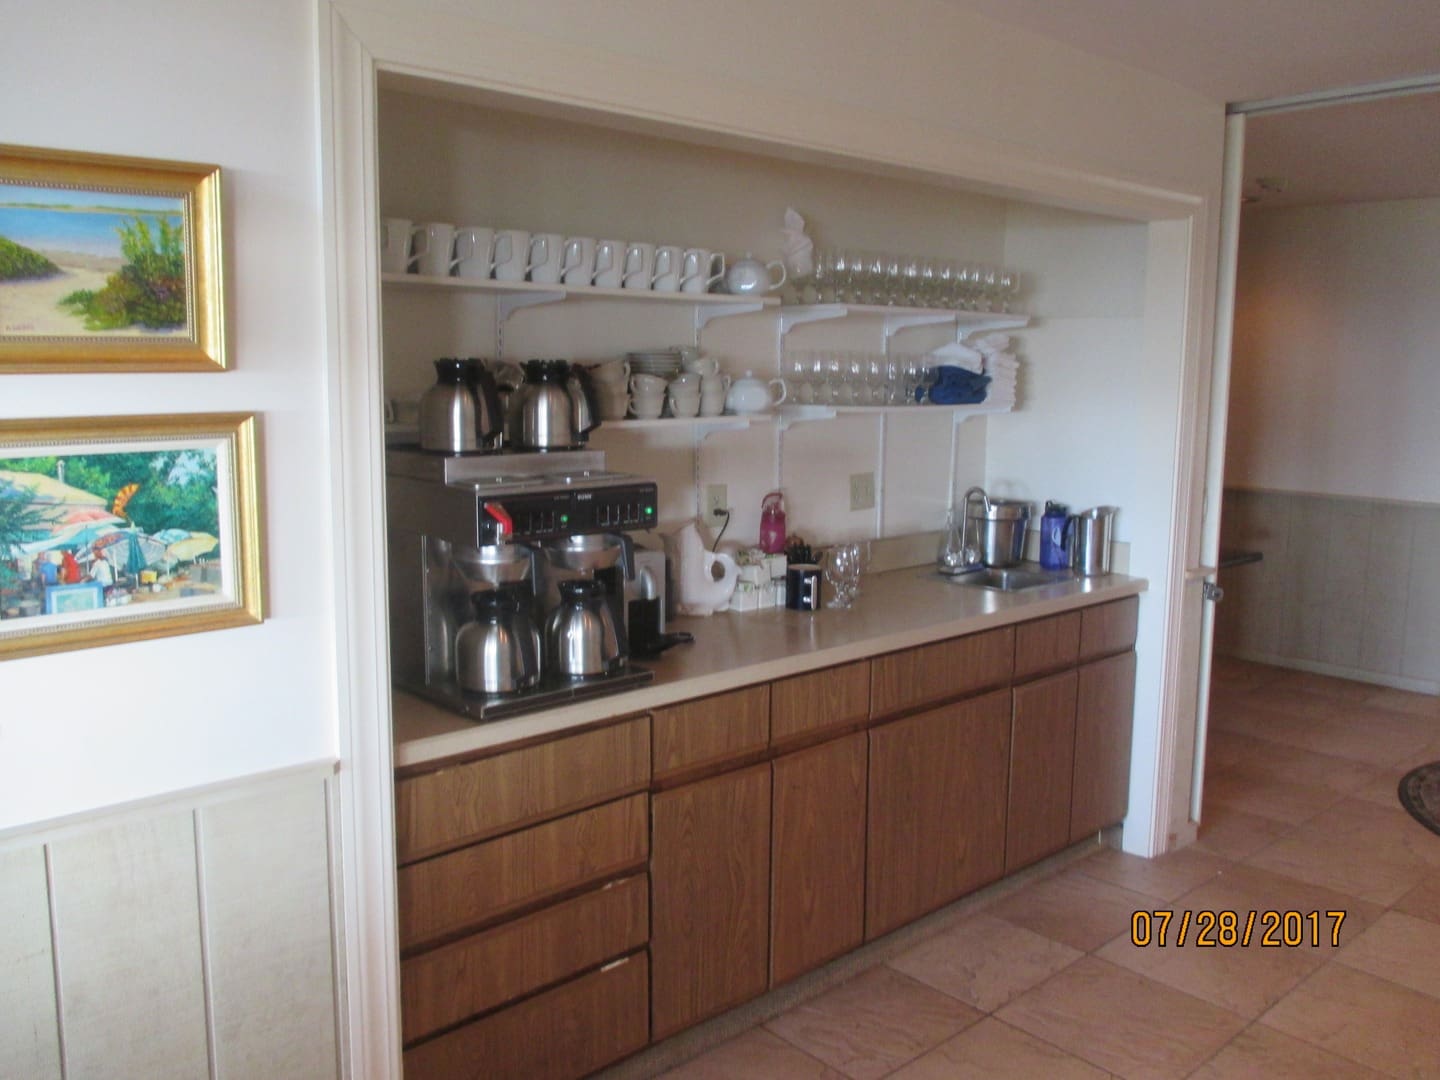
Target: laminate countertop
(898,609)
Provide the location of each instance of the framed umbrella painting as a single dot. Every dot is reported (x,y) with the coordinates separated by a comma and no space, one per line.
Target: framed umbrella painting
(126,528)
(108,263)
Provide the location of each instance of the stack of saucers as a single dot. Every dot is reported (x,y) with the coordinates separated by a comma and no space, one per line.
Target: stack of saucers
(664,363)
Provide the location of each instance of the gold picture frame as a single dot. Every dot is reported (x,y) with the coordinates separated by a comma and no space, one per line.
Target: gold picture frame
(127,528)
(109,263)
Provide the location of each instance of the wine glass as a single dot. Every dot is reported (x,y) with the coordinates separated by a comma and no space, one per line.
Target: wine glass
(1009,289)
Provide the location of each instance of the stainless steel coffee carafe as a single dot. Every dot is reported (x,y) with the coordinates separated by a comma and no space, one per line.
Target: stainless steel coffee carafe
(498,653)
(554,409)
(581,636)
(460,414)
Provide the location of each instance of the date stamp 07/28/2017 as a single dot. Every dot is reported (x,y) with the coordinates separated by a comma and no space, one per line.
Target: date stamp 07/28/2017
(1226,929)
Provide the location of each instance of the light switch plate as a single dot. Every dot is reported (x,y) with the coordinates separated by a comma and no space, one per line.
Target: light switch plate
(862,491)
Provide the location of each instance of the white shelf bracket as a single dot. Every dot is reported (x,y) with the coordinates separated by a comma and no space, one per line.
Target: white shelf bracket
(893,324)
(506,304)
(704,313)
(793,317)
(788,415)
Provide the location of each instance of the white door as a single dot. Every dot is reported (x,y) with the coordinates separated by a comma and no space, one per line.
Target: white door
(1202,547)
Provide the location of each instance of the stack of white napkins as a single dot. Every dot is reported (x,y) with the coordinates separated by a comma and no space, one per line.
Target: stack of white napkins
(1001,365)
(961,356)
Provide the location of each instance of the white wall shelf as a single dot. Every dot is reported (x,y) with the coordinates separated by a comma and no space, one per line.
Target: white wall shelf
(798,414)
(518,294)
(895,319)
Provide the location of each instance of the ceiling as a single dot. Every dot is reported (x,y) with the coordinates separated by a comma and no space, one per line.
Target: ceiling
(1236,51)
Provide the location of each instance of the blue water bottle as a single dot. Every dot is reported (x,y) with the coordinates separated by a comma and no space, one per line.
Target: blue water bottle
(1053,555)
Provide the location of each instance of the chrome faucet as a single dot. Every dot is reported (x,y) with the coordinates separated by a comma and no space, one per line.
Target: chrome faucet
(959,552)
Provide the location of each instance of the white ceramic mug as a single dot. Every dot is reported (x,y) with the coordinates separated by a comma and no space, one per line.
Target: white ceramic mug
(577,265)
(639,266)
(435,248)
(395,245)
(512,254)
(474,252)
(609,264)
(715,384)
(683,404)
(647,406)
(646,385)
(614,402)
(701,269)
(611,371)
(545,267)
(667,268)
(687,381)
(700,365)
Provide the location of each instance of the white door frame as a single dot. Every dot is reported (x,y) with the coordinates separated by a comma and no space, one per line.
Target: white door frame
(356,43)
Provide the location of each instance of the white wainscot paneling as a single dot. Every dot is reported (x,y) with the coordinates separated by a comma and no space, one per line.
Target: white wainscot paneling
(127,930)
(268,853)
(29,1038)
(192,937)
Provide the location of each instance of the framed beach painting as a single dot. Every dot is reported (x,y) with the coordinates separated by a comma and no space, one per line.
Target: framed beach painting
(126,528)
(108,264)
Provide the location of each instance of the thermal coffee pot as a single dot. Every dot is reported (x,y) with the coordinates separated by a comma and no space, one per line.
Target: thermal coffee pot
(460,414)
(555,407)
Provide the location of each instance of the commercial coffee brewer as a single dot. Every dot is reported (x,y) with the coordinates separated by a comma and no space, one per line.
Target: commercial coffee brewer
(507,577)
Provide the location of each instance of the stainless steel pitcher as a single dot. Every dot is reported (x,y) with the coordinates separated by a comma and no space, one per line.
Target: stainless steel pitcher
(1091,532)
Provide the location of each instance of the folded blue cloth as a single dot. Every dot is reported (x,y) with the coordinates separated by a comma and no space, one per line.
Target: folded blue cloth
(956,386)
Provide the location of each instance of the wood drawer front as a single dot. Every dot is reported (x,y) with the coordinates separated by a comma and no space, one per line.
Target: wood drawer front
(822,699)
(710,730)
(947,669)
(1045,645)
(444,986)
(565,1033)
(449,894)
(1108,628)
(443,810)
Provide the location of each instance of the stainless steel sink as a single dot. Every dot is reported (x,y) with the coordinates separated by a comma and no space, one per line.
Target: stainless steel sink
(1013,579)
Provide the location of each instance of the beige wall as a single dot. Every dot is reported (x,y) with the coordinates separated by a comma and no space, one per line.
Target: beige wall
(1336,383)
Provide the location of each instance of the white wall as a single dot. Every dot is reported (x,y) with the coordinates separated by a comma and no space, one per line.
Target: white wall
(234,85)
(1336,384)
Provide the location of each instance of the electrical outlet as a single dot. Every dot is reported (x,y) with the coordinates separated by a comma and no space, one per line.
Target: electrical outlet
(716,498)
(862,491)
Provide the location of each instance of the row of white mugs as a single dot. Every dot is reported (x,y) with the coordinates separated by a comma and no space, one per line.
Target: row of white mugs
(477,252)
(698,390)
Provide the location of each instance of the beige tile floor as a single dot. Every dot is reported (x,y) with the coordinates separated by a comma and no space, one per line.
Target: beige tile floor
(1300,814)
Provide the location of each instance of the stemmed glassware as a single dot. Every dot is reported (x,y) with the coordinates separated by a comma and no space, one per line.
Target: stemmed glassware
(851,276)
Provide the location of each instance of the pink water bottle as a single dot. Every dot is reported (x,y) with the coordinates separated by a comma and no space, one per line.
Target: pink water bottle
(772,524)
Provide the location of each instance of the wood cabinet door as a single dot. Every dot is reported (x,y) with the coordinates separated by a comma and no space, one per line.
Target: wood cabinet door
(1104,717)
(710,897)
(937,808)
(1042,758)
(817,880)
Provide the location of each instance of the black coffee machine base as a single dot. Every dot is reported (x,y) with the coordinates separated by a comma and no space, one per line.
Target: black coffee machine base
(548,695)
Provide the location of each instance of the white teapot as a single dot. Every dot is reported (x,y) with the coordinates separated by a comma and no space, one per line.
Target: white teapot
(751,277)
(752,395)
